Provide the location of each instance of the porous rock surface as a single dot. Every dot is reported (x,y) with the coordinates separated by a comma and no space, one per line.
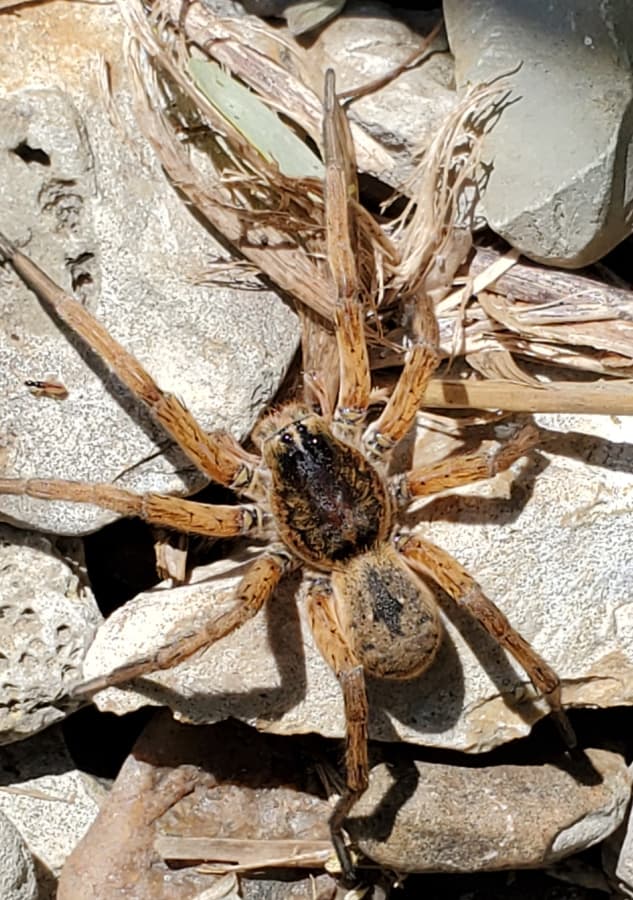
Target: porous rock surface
(550,543)
(420,817)
(17,873)
(48,617)
(560,183)
(90,206)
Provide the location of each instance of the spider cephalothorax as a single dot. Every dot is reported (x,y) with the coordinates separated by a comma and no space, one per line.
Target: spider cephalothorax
(328,502)
(320,493)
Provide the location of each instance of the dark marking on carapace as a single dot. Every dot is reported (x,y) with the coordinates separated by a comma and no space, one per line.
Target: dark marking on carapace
(328,501)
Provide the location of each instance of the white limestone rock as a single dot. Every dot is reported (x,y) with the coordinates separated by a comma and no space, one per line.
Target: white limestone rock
(17,873)
(367,42)
(560,184)
(50,802)
(550,543)
(617,857)
(48,618)
(95,211)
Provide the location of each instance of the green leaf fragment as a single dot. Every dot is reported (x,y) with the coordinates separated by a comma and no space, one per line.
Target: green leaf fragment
(259,124)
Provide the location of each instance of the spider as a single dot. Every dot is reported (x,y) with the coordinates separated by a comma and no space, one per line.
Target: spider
(320,492)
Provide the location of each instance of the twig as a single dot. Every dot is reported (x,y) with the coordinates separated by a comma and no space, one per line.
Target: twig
(606,397)
(412,60)
(232,855)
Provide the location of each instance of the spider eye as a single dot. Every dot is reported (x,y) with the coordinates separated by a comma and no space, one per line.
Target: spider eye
(301,429)
(286,438)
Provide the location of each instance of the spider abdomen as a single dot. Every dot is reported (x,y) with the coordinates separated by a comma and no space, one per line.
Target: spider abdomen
(328,501)
(387,613)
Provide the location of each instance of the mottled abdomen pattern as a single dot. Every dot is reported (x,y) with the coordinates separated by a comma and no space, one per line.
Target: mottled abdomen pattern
(388,614)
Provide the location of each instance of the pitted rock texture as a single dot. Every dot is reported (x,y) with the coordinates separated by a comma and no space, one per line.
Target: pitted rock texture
(48,618)
(93,209)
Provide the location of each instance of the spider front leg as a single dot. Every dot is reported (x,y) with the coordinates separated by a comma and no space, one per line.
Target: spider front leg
(341,193)
(458,584)
(336,651)
(217,455)
(465,468)
(406,399)
(256,587)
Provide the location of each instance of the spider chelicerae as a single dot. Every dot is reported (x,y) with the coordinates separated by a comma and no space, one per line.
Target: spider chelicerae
(319,491)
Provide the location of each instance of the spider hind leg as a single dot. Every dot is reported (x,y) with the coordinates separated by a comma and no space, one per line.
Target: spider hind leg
(464,590)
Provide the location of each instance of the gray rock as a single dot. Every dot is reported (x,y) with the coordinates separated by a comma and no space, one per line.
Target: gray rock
(48,618)
(300,16)
(202,784)
(424,817)
(550,543)
(560,184)
(366,42)
(93,209)
(617,857)
(17,873)
(48,800)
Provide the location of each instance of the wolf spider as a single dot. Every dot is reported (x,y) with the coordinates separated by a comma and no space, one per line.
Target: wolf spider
(320,492)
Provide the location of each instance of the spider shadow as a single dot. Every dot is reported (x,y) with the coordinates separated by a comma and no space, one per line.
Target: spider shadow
(433,702)
(473,509)
(614,456)
(286,644)
(445,678)
(406,776)
(430,703)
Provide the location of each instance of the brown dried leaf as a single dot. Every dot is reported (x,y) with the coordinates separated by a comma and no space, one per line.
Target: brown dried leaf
(613,334)
(434,236)
(499,364)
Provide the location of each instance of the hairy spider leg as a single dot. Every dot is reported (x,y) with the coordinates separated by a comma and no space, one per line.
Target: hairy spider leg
(464,468)
(331,641)
(340,194)
(157,509)
(254,590)
(467,593)
(218,455)
(421,360)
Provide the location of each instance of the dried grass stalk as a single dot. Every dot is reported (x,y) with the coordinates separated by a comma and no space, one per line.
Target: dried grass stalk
(599,397)
(435,231)
(221,855)
(550,316)
(277,223)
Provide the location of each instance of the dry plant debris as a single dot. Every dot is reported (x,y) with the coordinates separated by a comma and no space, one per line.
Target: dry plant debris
(491,321)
